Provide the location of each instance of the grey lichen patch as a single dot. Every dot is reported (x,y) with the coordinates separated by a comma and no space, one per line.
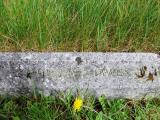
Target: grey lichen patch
(158,70)
(158,73)
(29,75)
(77,74)
(155,72)
(142,72)
(150,77)
(79,60)
(148,74)
(17,75)
(158,55)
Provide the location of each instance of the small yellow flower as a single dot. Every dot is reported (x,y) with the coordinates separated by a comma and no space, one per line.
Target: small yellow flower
(77,104)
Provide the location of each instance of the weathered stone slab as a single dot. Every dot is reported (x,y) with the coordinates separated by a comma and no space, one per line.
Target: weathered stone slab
(116,75)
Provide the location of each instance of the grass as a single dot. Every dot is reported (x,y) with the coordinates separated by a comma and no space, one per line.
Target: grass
(80,25)
(61,108)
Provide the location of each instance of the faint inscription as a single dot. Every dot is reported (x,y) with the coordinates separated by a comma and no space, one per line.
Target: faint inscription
(119,72)
(76,73)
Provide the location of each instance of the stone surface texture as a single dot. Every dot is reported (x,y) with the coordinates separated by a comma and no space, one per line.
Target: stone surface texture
(115,75)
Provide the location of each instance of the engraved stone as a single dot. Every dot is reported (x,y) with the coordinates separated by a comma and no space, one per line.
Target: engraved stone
(115,75)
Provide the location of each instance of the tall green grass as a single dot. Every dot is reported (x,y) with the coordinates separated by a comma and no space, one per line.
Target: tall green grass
(81,25)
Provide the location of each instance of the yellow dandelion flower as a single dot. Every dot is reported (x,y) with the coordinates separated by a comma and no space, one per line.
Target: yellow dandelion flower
(77,104)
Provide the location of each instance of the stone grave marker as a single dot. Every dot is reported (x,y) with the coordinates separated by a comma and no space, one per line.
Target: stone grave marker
(115,75)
